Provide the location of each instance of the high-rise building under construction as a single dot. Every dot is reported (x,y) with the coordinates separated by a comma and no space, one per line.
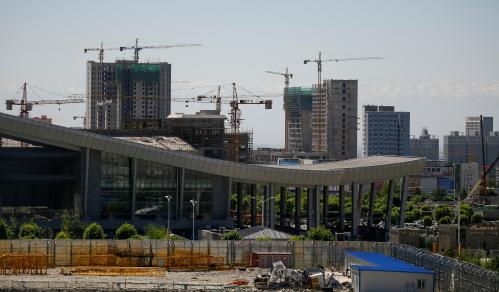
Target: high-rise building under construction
(322,123)
(298,119)
(127,95)
(342,119)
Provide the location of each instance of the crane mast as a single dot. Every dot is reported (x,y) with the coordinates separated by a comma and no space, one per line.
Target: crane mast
(286,75)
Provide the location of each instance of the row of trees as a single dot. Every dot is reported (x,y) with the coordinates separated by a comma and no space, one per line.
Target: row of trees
(72,228)
(416,209)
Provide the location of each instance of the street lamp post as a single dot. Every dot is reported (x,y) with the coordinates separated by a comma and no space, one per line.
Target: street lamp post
(168,198)
(457,201)
(193,202)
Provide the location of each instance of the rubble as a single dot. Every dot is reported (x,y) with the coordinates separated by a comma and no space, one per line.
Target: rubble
(280,277)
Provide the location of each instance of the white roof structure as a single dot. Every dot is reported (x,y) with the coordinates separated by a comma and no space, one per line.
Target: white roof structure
(361,170)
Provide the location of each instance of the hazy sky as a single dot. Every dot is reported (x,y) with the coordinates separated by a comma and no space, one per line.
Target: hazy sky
(441,57)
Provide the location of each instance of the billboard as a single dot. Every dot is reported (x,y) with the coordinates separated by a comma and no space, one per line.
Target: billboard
(446,184)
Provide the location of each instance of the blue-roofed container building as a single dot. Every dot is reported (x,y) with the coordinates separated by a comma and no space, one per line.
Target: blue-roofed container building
(377,272)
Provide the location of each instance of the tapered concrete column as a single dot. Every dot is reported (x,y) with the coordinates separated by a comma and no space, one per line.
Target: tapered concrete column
(265,211)
(370,212)
(239,205)
(342,208)
(355,209)
(133,187)
(359,203)
(282,216)
(297,209)
(253,204)
(403,200)
(389,205)
(272,206)
(317,206)
(310,208)
(325,205)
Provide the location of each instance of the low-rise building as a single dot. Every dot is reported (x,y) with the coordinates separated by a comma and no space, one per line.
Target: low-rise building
(377,272)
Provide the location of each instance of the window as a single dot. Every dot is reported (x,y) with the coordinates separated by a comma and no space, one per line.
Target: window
(421,284)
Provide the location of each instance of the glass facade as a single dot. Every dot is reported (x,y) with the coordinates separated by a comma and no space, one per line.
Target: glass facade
(198,186)
(154,182)
(116,182)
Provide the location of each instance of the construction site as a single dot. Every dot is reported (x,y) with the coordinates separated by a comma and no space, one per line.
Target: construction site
(160,265)
(136,161)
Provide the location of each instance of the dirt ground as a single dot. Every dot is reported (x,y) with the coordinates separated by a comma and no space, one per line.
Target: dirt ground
(172,280)
(202,280)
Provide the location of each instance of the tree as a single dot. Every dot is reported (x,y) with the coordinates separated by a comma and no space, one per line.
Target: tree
(231,235)
(427,221)
(94,231)
(5,231)
(476,218)
(466,210)
(445,220)
(29,231)
(464,220)
(72,225)
(62,235)
(437,194)
(442,211)
(126,231)
(410,217)
(320,233)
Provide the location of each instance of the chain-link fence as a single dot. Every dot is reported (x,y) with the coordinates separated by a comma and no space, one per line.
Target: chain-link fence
(451,274)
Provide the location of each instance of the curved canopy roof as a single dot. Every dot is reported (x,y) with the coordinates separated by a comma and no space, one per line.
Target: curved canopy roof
(362,170)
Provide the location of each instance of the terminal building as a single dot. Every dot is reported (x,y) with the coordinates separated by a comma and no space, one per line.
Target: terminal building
(115,180)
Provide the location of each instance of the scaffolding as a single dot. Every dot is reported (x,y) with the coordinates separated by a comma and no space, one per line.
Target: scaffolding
(24,263)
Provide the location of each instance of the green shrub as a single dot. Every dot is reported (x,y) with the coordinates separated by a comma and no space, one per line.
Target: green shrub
(320,233)
(94,231)
(298,237)
(29,231)
(231,235)
(126,231)
(62,235)
(476,218)
(427,221)
(263,238)
(445,220)
(156,231)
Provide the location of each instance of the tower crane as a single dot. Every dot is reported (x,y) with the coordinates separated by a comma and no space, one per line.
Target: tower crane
(319,62)
(286,75)
(321,98)
(26,106)
(101,51)
(136,49)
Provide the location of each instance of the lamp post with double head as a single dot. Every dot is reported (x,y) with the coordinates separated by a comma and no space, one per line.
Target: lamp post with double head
(193,202)
(168,198)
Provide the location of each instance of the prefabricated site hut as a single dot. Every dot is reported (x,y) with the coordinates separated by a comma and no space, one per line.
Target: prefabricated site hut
(377,272)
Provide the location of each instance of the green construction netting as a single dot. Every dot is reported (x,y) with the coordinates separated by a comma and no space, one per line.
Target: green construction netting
(300,97)
(138,72)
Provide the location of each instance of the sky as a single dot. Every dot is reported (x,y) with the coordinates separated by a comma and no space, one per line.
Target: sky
(441,58)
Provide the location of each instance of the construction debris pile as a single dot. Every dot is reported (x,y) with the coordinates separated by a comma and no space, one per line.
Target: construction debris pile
(280,277)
